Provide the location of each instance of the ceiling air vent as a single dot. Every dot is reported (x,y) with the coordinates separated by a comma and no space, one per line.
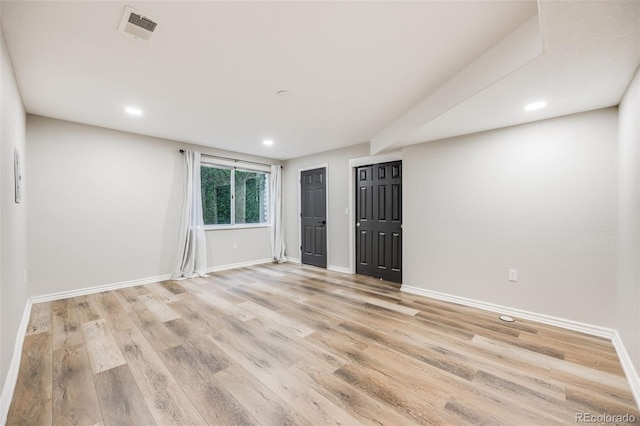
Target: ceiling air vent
(138,25)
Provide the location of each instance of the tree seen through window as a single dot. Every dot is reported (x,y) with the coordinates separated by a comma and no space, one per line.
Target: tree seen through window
(249,203)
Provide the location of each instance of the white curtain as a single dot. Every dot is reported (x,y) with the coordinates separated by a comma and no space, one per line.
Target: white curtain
(277,239)
(192,253)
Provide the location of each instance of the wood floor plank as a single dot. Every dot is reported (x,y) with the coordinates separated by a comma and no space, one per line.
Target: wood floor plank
(553,363)
(216,287)
(203,354)
(155,331)
(32,397)
(198,381)
(452,365)
(410,366)
(597,403)
(281,293)
(541,402)
(120,399)
(256,297)
(293,344)
(296,308)
(101,346)
(260,401)
(375,301)
(110,308)
(293,325)
(75,400)
(219,301)
(193,309)
(358,404)
(587,385)
(173,286)
(519,372)
(40,318)
(405,401)
(161,310)
(306,401)
(262,349)
(376,317)
(274,334)
(66,330)
(162,292)
(578,354)
(163,395)
(200,323)
(127,298)
(86,309)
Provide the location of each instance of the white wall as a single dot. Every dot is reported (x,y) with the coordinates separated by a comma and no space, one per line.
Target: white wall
(539,198)
(252,244)
(628,313)
(337,162)
(13,217)
(105,208)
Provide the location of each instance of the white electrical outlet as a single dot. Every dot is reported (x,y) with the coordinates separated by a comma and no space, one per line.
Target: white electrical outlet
(346,211)
(513,275)
(235,246)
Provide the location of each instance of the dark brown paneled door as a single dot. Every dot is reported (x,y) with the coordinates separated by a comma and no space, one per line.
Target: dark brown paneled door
(313,214)
(379,221)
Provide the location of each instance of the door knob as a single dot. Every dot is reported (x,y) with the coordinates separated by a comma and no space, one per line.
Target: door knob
(358,224)
(324,222)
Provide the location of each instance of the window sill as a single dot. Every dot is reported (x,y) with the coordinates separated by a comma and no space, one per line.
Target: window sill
(229,227)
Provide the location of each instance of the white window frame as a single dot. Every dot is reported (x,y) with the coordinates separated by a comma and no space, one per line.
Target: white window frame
(233,166)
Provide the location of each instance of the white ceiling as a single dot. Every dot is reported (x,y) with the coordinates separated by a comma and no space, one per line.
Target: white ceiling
(355,70)
(592,49)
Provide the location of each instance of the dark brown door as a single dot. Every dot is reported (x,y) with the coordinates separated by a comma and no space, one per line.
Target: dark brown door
(313,191)
(379,221)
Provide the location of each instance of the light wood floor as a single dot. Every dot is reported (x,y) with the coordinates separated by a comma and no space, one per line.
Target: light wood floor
(290,344)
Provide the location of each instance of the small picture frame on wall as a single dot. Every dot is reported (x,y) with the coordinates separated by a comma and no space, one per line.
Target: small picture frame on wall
(17,175)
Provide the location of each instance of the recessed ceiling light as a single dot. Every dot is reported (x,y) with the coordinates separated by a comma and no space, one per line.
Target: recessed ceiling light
(267,142)
(133,111)
(535,105)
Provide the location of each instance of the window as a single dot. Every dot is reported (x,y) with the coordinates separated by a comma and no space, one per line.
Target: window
(232,196)
(251,200)
(216,195)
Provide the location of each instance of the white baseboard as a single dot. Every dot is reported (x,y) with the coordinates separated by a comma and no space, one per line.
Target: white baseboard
(593,330)
(97,289)
(14,367)
(237,265)
(340,269)
(333,268)
(132,283)
(627,366)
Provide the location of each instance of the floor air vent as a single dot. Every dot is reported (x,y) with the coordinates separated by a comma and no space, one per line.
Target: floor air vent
(138,25)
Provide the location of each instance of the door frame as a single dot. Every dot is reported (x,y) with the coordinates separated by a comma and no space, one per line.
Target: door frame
(353,164)
(326,197)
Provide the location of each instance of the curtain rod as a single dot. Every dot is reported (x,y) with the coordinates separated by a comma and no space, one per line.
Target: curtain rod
(233,159)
